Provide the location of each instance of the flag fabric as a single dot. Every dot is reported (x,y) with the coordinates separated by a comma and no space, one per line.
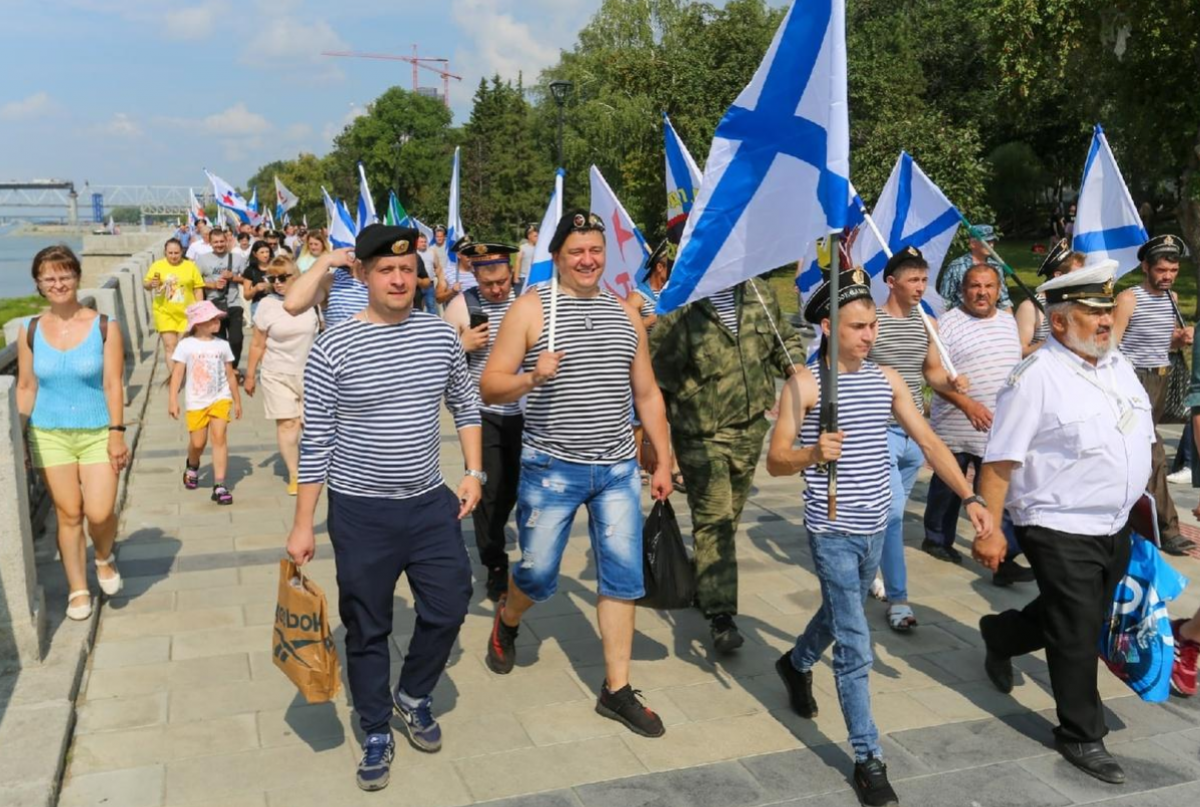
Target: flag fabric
(268,220)
(911,211)
(253,203)
(683,181)
(285,200)
(1107,224)
(195,209)
(395,216)
(625,247)
(229,199)
(422,228)
(777,175)
(330,208)
(366,205)
(305,221)
(454,227)
(542,268)
(341,224)
(815,260)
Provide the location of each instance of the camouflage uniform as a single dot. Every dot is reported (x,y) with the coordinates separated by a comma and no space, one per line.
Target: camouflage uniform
(717,388)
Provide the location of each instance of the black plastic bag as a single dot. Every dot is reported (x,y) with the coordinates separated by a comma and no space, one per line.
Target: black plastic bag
(670,573)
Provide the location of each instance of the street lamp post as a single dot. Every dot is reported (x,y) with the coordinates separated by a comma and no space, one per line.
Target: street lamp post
(559,90)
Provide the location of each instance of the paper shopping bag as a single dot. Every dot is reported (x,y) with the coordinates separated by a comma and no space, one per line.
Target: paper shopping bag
(302,645)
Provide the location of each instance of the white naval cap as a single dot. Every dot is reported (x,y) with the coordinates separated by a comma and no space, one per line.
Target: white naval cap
(1091,285)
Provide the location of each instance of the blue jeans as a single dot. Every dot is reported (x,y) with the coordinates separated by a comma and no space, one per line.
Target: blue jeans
(943,505)
(550,493)
(905,461)
(431,306)
(845,565)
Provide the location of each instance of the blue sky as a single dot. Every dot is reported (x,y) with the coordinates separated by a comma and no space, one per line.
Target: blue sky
(152,91)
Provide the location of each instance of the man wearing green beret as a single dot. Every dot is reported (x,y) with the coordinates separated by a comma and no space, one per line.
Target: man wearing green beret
(716,361)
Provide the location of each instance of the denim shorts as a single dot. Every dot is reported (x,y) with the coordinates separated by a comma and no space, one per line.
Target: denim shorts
(550,492)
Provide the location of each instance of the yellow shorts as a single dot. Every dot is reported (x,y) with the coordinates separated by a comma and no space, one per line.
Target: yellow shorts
(51,447)
(198,419)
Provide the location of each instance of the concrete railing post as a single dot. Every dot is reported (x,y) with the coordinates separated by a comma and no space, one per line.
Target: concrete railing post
(22,600)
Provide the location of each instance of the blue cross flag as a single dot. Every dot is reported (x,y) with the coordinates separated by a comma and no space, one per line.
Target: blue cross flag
(454,226)
(342,229)
(911,211)
(683,181)
(777,175)
(542,268)
(1107,224)
(366,205)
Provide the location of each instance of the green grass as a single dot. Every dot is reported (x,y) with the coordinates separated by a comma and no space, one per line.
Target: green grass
(15,307)
(1020,256)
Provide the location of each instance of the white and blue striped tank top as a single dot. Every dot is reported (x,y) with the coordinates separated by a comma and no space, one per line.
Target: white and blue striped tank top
(863,495)
(583,414)
(347,296)
(477,360)
(1147,340)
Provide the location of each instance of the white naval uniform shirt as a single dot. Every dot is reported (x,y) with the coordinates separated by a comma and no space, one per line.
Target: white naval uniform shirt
(1058,418)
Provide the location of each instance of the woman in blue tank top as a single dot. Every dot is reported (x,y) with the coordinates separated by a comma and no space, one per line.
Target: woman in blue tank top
(70,395)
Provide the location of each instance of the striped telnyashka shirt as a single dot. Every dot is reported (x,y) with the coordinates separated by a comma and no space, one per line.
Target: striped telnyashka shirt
(347,296)
(478,359)
(902,344)
(863,496)
(583,413)
(1041,331)
(1147,340)
(726,307)
(372,402)
(985,351)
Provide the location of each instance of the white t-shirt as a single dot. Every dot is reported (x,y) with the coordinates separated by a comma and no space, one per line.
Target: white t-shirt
(526,252)
(206,381)
(289,338)
(197,247)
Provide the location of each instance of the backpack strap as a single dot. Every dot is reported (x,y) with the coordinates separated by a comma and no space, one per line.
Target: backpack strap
(30,330)
(473,301)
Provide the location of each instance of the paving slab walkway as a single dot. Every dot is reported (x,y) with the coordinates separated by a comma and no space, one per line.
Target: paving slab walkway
(181,704)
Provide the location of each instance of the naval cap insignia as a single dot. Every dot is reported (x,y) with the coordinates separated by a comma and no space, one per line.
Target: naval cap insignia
(481,249)
(400,247)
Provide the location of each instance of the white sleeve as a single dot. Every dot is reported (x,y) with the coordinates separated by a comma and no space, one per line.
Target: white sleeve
(1015,421)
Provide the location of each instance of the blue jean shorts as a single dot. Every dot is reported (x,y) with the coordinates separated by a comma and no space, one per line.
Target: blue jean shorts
(550,493)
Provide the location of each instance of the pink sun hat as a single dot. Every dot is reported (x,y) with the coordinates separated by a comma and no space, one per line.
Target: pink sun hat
(202,311)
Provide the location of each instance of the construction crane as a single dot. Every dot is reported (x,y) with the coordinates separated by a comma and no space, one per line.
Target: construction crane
(415,60)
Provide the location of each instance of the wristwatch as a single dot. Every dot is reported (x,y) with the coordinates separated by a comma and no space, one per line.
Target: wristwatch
(480,475)
(976,499)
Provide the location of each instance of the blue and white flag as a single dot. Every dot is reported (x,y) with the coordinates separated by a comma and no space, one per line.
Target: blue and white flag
(625,250)
(1107,224)
(422,228)
(341,224)
(195,209)
(813,266)
(911,211)
(253,203)
(285,200)
(683,181)
(366,205)
(542,268)
(454,226)
(330,208)
(229,199)
(777,175)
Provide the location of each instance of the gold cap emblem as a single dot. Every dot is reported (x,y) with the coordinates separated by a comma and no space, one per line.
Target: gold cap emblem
(481,249)
(1168,241)
(400,247)
(1107,291)
(579,220)
(910,251)
(859,276)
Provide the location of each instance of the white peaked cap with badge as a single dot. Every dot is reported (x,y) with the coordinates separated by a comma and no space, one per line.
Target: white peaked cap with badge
(1091,285)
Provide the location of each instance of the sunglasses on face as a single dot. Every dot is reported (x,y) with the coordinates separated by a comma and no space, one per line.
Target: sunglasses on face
(280,278)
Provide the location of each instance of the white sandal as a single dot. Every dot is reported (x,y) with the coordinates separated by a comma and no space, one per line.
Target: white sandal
(901,618)
(79,612)
(112,585)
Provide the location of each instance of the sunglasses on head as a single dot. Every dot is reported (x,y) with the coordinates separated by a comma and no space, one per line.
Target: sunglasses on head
(280,277)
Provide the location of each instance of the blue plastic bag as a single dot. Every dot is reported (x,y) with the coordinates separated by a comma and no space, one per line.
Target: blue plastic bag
(1137,643)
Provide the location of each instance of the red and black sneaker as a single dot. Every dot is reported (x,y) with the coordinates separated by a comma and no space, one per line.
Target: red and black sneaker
(502,646)
(1183,673)
(626,707)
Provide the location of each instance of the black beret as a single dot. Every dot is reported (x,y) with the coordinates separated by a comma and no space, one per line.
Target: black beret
(665,252)
(904,255)
(380,240)
(574,221)
(1171,247)
(486,253)
(1054,258)
(852,285)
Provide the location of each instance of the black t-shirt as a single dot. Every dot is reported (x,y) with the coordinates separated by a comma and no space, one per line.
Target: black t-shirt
(256,275)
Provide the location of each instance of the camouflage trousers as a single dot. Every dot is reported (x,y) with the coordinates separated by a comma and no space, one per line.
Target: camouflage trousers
(718,472)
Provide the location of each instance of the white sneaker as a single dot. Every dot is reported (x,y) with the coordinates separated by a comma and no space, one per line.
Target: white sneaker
(877,589)
(1181,477)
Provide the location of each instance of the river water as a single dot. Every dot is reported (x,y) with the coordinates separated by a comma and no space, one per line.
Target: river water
(16,257)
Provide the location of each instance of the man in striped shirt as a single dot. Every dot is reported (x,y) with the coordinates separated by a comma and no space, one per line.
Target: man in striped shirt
(477,313)
(982,342)
(373,389)
(846,545)
(580,359)
(1147,327)
(903,344)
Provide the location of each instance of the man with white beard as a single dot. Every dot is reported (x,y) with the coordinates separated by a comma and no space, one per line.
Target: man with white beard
(1069,456)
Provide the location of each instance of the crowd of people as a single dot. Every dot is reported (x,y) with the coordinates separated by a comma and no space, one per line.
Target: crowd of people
(1041,428)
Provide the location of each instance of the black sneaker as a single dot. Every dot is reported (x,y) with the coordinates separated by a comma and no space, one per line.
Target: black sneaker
(946,553)
(871,783)
(626,707)
(725,635)
(1177,545)
(374,769)
(502,647)
(497,583)
(799,686)
(1012,572)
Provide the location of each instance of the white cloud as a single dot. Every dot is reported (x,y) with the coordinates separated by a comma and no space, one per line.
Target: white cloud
(120,125)
(297,131)
(38,105)
(500,43)
(237,121)
(194,22)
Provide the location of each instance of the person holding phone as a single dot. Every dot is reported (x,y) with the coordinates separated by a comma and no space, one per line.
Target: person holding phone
(477,313)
